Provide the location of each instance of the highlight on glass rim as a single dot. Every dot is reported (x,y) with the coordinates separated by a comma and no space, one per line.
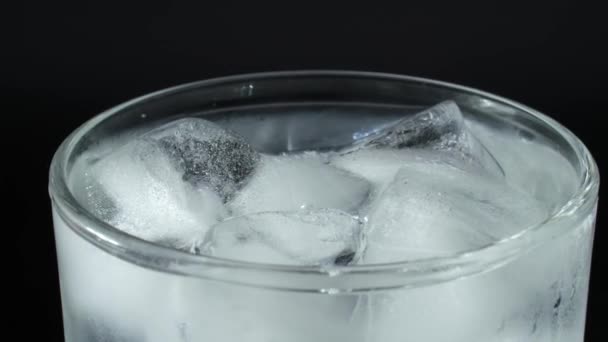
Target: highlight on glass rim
(323,206)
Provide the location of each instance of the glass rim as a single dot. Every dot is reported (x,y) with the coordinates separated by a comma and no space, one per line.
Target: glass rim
(409,272)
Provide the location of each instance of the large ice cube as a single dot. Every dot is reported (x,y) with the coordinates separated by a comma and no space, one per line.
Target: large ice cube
(438,133)
(293,182)
(308,237)
(167,185)
(434,209)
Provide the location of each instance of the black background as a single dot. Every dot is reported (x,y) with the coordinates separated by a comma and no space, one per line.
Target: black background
(63,63)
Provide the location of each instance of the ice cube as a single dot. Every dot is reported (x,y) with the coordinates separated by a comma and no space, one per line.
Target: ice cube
(207,154)
(378,166)
(292,182)
(433,209)
(138,189)
(541,170)
(307,237)
(438,133)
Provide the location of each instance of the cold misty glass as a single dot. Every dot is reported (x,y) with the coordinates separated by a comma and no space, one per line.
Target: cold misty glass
(528,284)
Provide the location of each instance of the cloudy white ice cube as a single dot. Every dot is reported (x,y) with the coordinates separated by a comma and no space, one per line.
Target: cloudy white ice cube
(299,181)
(138,190)
(167,185)
(431,210)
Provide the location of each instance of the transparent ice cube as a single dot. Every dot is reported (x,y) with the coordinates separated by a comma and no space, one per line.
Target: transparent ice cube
(437,133)
(206,154)
(433,209)
(293,182)
(306,237)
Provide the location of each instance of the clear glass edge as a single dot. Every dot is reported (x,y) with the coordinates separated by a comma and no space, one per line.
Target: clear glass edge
(409,273)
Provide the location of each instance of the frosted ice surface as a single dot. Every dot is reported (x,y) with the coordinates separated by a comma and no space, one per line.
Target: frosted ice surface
(206,154)
(167,185)
(138,190)
(423,185)
(293,182)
